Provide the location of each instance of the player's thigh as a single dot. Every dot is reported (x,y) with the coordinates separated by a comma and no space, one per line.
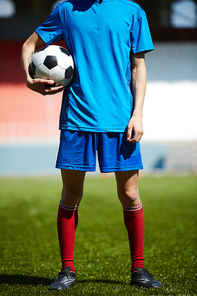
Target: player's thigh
(73,182)
(127,187)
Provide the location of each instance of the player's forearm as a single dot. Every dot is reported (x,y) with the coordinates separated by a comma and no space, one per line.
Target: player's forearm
(28,50)
(139,80)
(42,86)
(27,53)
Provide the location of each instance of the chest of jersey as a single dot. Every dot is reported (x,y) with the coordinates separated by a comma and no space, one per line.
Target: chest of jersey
(88,20)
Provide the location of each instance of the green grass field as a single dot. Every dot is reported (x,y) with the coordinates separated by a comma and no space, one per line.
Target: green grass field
(29,252)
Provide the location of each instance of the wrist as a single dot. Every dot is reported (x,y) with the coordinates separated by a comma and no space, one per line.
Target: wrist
(138,115)
(28,80)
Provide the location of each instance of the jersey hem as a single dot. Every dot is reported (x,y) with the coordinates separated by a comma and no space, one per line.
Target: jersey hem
(94,130)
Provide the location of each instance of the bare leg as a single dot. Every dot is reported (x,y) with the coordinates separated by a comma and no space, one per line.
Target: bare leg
(72,191)
(127,185)
(68,214)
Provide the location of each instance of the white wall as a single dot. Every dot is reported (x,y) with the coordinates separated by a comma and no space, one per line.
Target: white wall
(170,109)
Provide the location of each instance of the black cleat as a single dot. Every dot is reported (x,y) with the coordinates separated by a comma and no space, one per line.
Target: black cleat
(141,277)
(64,280)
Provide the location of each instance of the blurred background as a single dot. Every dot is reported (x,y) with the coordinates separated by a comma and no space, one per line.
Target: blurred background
(29,134)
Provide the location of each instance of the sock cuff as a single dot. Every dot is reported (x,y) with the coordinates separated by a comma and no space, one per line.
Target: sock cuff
(133,209)
(68,208)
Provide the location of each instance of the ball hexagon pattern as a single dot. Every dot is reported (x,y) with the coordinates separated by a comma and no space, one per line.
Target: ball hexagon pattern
(53,62)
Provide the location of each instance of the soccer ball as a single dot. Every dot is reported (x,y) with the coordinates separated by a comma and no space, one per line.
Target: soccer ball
(53,62)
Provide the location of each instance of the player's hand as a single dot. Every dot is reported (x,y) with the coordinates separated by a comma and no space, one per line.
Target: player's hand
(43,86)
(135,129)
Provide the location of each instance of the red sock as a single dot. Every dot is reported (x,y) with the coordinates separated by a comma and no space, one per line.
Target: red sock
(67,221)
(134,222)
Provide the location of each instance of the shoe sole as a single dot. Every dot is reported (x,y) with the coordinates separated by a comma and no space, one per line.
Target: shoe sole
(63,287)
(144,285)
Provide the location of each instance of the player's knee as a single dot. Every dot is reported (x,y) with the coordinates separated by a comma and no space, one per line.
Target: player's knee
(132,194)
(71,197)
(129,197)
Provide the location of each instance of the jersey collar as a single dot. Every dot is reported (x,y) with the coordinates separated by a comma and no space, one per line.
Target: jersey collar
(100,1)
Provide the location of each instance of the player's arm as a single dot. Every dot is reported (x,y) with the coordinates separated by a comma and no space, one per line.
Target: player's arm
(42,86)
(138,87)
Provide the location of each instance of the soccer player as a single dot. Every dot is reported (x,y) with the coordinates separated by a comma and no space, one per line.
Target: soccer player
(101,113)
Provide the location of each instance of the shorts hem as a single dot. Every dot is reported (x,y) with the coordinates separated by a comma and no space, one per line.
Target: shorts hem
(75,168)
(121,169)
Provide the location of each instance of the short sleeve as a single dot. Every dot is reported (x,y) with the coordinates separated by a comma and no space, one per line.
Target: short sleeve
(140,34)
(51,29)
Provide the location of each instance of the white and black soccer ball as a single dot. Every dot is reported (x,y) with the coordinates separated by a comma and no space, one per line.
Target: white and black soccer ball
(53,62)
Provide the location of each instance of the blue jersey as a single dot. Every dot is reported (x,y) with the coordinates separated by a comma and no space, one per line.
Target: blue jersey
(100,37)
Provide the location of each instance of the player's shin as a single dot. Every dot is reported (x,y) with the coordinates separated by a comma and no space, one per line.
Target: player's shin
(66,224)
(134,222)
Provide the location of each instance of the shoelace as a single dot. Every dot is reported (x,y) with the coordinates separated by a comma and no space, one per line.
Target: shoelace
(148,273)
(60,276)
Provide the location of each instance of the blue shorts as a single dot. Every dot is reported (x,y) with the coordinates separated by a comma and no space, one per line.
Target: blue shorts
(78,150)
